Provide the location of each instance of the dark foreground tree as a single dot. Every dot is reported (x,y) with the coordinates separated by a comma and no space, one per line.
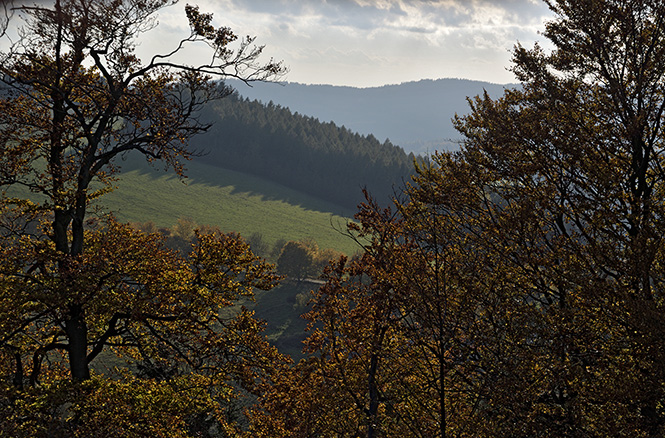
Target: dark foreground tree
(147,309)
(572,168)
(75,97)
(545,240)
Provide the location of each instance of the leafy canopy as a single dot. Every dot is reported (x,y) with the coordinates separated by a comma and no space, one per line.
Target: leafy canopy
(75,287)
(517,288)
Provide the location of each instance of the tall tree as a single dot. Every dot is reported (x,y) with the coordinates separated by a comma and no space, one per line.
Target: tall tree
(559,187)
(78,97)
(540,305)
(75,97)
(391,341)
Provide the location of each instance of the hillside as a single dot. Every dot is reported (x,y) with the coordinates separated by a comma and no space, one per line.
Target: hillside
(236,202)
(231,200)
(414,115)
(241,203)
(321,159)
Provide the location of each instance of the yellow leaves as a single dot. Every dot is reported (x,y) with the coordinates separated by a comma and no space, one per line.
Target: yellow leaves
(92,195)
(225,264)
(79,97)
(122,407)
(138,296)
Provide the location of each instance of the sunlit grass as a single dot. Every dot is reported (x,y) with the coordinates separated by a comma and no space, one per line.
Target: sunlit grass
(231,200)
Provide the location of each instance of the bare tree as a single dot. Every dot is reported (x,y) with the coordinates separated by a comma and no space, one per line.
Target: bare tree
(7,12)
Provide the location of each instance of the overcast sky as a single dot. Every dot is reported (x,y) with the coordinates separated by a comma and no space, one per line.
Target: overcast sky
(365,43)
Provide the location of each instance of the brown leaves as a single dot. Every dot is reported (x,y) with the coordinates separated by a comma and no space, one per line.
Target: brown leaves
(517,290)
(146,303)
(75,97)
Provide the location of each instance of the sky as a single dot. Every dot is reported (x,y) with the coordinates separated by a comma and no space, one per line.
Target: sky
(367,43)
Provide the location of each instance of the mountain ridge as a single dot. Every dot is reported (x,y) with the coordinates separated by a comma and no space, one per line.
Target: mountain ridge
(414,115)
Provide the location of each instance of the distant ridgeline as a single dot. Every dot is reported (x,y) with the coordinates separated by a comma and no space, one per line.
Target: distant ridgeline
(320,159)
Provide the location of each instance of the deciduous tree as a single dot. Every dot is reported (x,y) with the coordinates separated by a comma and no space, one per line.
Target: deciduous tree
(559,188)
(167,315)
(391,351)
(76,97)
(295,260)
(532,287)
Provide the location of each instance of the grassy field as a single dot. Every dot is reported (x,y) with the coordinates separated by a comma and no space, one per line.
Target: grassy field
(238,202)
(231,200)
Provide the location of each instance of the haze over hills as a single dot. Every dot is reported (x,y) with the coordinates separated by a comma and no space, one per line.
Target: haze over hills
(414,115)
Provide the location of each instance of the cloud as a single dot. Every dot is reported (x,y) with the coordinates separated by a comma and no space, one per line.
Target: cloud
(368,42)
(373,42)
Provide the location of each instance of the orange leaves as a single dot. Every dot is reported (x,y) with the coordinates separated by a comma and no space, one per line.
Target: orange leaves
(519,289)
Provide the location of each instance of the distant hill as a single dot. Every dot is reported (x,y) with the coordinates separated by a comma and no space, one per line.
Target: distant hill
(323,160)
(414,115)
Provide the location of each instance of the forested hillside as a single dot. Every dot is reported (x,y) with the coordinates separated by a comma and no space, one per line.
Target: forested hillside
(414,115)
(300,152)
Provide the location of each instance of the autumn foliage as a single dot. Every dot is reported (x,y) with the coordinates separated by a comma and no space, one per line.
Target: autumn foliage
(104,330)
(516,289)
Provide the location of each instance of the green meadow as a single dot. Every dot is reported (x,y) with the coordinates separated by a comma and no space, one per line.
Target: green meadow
(233,201)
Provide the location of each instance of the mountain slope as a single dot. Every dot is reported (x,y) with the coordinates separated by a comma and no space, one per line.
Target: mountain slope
(300,152)
(414,115)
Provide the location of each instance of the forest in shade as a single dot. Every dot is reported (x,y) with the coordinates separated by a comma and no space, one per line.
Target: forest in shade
(300,152)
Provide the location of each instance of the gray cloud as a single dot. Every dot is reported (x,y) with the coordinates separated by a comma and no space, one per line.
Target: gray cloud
(373,42)
(387,41)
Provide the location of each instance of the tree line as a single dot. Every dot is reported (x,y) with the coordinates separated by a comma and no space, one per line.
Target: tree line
(300,152)
(294,260)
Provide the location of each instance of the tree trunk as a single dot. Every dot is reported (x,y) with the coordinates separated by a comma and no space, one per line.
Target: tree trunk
(373,410)
(77,333)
